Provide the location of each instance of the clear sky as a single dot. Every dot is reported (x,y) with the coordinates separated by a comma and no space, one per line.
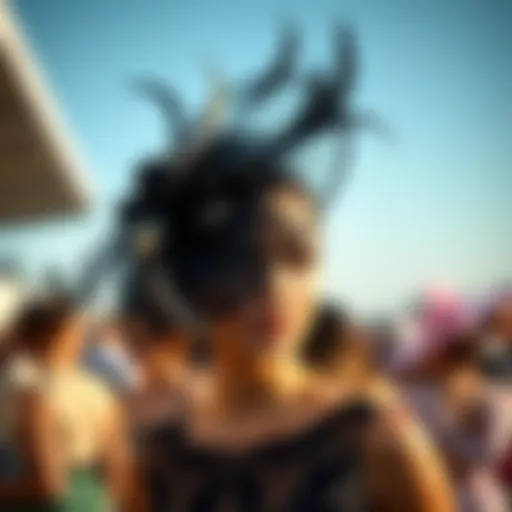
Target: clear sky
(435,205)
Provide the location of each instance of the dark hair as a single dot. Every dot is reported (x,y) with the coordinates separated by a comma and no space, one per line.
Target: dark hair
(41,320)
(336,343)
(458,351)
(462,351)
(199,197)
(328,337)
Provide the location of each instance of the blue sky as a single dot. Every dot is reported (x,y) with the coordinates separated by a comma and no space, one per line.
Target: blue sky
(435,205)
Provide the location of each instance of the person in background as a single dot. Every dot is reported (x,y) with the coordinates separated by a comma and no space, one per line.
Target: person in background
(496,340)
(382,342)
(6,345)
(69,448)
(9,313)
(107,356)
(495,349)
(161,348)
(469,419)
(336,343)
(480,421)
(161,351)
(14,378)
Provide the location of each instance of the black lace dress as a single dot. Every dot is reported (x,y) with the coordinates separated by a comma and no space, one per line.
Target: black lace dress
(317,470)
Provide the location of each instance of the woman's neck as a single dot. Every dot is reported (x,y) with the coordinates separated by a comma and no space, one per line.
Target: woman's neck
(243,388)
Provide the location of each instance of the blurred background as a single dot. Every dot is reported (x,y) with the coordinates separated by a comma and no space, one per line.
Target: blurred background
(431,207)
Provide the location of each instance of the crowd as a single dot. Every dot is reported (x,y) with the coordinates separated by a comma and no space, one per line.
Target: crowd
(87,407)
(225,382)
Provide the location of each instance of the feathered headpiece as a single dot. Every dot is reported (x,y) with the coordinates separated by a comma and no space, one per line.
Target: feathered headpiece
(186,213)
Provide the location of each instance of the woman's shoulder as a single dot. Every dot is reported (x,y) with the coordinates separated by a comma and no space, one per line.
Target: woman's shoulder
(84,387)
(330,420)
(393,414)
(386,412)
(373,395)
(387,396)
(342,407)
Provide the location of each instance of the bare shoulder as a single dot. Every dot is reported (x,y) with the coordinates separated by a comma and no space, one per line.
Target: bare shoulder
(406,470)
(397,425)
(383,392)
(94,390)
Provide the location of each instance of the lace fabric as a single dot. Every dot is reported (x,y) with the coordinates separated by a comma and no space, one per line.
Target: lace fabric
(319,469)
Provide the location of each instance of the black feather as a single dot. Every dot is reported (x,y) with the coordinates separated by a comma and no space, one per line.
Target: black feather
(280,71)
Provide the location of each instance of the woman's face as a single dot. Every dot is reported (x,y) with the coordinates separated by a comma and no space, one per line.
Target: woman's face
(274,317)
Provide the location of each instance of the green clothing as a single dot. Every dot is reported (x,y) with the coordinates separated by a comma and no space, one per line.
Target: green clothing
(85,493)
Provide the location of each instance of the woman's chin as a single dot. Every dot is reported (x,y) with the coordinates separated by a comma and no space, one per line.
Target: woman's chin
(270,345)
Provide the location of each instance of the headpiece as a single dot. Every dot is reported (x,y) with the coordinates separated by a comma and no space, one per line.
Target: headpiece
(183,230)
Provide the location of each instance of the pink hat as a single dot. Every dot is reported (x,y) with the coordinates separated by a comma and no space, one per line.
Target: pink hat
(442,314)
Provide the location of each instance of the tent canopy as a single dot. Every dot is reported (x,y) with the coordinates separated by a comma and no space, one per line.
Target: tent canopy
(40,172)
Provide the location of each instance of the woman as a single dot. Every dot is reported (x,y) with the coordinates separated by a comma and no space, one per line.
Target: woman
(264,417)
(238,250)
(468,417)
(156,407)
(161,350)
(66,432)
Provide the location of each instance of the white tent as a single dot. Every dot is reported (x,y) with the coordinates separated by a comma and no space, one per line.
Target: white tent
(40,172)
(12,297)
